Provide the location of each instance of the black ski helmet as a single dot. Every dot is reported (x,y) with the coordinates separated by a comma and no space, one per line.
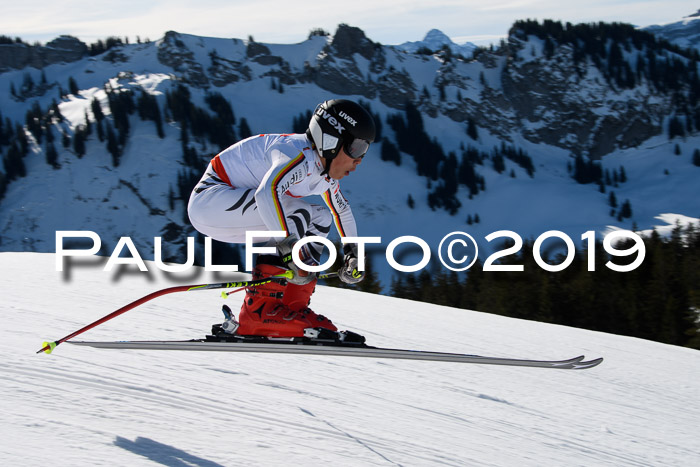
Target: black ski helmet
(340,123)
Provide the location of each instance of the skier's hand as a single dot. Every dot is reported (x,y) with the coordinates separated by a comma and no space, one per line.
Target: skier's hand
(348,272)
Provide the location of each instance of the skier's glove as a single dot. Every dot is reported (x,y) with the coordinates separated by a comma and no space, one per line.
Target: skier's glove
(348,272)
(284,248)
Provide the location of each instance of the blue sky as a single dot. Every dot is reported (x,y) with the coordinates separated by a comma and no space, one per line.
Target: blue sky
(275,21)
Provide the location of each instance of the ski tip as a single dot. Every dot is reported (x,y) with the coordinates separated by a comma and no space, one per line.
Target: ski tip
(587,364)
(48,347)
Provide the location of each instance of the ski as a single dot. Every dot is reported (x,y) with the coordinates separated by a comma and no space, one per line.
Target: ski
(291,346)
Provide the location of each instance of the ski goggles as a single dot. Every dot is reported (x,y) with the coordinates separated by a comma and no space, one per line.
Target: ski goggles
(357,148)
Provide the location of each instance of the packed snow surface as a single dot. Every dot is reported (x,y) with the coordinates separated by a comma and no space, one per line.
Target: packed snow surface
(83,406)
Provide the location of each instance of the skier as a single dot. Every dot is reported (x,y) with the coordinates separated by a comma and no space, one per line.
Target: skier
(257,185)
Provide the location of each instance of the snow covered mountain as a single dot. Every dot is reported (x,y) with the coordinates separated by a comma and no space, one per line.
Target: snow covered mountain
(434,41)
(684,33)
(539,94)
(81,406)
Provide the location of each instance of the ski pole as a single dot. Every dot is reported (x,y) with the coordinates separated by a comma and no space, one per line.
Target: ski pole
(49,346)
(329,275)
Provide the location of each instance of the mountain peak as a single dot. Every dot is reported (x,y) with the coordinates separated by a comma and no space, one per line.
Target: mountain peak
(437,35)
(435,40)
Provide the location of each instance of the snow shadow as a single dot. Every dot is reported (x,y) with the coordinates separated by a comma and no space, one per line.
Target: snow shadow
(162,453)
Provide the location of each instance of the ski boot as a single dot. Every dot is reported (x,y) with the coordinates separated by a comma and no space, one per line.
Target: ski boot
(265,312)
(298,298)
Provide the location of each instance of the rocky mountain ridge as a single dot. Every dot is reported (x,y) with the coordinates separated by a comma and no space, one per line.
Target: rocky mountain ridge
(516,90)
(543,98)
(63,49)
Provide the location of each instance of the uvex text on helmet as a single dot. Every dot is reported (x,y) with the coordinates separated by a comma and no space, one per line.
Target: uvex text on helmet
(341,123)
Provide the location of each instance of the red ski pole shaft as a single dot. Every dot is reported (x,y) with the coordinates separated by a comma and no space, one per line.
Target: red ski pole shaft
(49,346)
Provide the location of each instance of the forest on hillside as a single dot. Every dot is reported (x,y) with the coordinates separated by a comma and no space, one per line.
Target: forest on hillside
(659,300)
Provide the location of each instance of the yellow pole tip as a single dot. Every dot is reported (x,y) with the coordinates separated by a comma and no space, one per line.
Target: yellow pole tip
(48,347)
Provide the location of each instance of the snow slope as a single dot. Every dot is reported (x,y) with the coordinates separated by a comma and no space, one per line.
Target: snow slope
(684,33)
(82,406)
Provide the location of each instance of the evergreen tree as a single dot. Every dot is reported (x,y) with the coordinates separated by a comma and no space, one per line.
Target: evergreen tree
(370,283)
(472,131)
(398,287)
(49,135)
(73,86)
(96,108)
(244,130)
(499,164)
(301,123)
(21,138)
(113,146)
(221,108)
(171,198)
(3,185)
(55,112)
(675,128)
(623,175)
(390,153)
(79,141)
(52,155)
(14,163)
(588,171)
(626,210)
(27,85)
(88,126)
(466,174)
(100,131)
(158,120)
(33,120)
(148,109)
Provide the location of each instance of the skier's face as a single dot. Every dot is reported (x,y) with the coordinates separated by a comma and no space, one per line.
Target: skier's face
(343,164)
